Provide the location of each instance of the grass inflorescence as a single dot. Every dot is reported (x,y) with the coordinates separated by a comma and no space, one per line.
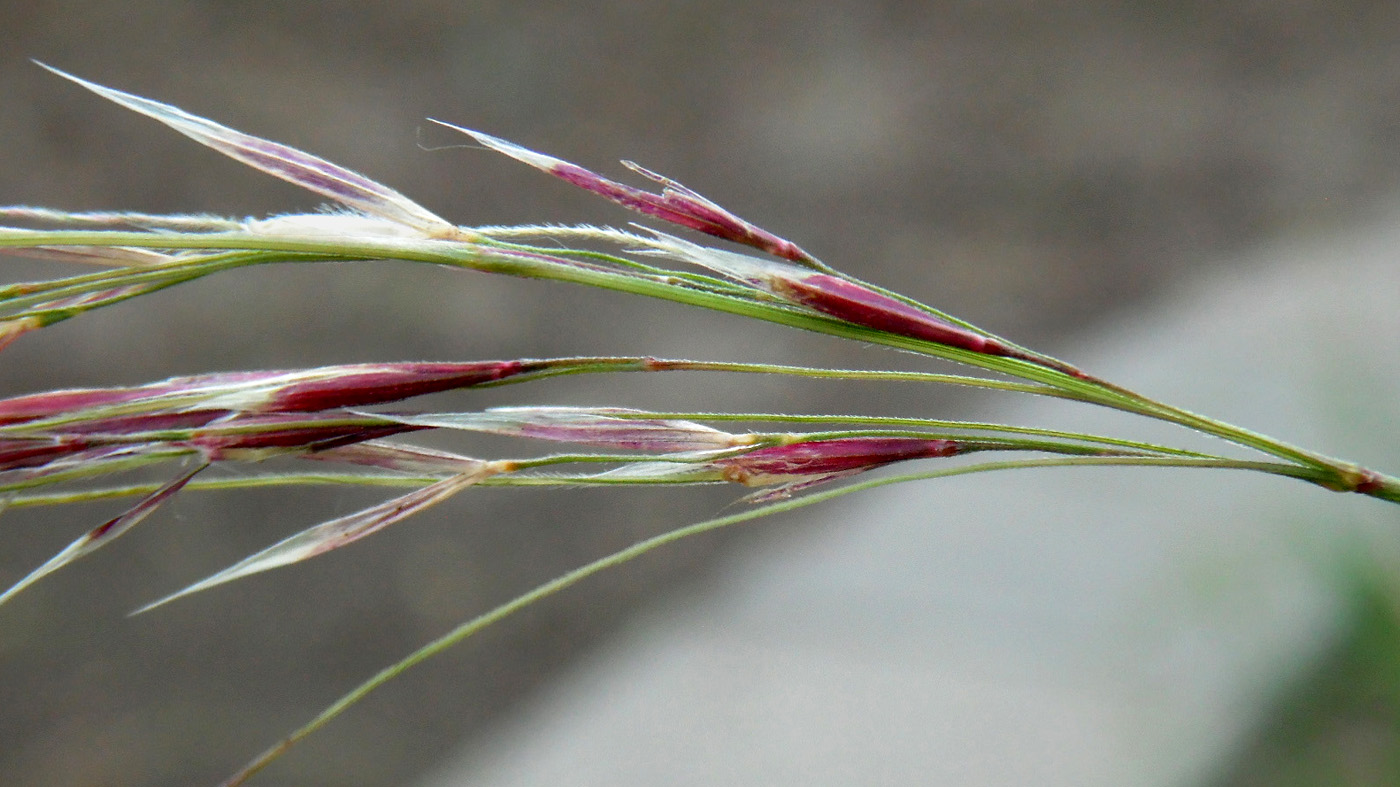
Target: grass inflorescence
(59,447)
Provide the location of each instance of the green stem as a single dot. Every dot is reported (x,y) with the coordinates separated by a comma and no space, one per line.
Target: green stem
(395,480)
(175,271)
(1067,380)
(1340,475)
(471,627)
(931,423)
(556,367)
(491,260)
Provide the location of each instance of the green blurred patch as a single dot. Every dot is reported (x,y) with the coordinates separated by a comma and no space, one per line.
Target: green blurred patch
(1340,725)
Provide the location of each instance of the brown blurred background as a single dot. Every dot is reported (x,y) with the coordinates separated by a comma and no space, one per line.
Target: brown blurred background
(1035,167)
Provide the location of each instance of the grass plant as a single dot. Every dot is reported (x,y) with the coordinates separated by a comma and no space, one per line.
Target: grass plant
(69,446)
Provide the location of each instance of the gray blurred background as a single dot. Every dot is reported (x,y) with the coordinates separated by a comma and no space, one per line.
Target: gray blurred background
(1039,168)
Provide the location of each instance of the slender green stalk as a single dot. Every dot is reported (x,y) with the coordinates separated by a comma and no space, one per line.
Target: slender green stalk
(222,484)
(475,625)
(398,480)
(1344,476)
(537,266)
(931,423)
(177,271)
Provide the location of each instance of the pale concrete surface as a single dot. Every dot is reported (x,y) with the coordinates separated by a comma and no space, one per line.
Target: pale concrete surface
(1056,627)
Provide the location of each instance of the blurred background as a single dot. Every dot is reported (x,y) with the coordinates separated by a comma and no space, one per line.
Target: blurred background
(1045,170)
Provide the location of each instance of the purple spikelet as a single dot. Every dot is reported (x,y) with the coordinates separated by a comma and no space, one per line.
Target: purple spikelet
(675,204)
